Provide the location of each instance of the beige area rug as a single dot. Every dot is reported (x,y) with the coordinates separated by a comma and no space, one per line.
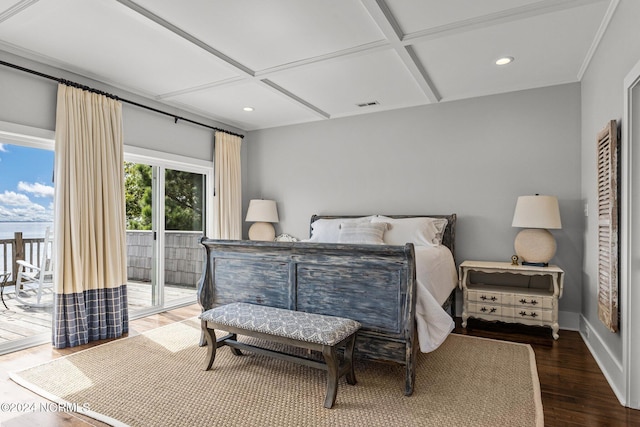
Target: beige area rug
(156,379)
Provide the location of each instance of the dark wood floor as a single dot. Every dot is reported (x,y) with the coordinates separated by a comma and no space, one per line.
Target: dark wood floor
(574,390)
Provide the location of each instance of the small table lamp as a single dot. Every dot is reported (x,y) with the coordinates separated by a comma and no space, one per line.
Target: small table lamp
(535,245)
(262,213)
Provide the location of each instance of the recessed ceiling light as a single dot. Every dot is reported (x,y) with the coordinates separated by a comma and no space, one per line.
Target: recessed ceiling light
(504,60)
(248,108)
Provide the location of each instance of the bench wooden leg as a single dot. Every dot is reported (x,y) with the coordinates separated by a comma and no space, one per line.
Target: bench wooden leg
(348,360)
(212,345)
(333,371)
(234,350)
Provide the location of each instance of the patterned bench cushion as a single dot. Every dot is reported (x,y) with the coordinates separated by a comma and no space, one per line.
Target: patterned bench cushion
(298,325)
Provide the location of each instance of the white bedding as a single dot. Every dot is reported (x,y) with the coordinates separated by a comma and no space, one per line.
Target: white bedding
(436,274)
(436,277)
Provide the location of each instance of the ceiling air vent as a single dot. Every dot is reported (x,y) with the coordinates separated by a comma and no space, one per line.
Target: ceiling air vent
(368,104)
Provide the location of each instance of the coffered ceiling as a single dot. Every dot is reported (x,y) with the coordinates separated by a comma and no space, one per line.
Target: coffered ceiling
(296,61)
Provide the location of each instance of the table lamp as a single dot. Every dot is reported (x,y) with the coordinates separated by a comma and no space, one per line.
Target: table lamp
(535,245)
(262,213)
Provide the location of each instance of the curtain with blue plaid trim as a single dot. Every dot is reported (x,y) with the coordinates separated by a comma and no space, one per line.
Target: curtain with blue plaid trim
(90,273)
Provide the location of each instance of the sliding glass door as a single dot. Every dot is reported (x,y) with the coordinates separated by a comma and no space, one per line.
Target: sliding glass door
(167,214)
(26,213)
(141,201)
(184,225)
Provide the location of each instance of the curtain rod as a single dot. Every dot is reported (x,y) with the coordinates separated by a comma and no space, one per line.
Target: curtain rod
(109,95)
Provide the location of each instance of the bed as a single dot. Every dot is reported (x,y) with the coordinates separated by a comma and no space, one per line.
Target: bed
(396,291)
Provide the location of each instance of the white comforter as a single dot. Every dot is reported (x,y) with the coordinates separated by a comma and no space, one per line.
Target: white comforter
(436,277)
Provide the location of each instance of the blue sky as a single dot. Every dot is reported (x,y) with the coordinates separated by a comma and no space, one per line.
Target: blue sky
(26,187)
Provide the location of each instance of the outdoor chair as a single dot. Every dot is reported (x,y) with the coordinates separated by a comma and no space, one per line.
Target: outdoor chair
(33,281)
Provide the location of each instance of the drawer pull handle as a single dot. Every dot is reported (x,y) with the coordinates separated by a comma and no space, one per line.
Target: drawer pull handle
(483,309)
(493,298)
(493,310)
(483,297)
(524,314)
(524,301)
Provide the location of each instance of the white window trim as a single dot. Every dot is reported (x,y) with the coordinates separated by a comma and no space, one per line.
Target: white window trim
(27,136)
(630,242)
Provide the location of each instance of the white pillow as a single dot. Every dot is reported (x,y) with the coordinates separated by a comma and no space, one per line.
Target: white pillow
(365,233)
(421,231)
(327,230)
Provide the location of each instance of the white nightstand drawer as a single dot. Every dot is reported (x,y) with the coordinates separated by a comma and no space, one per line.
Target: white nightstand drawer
(532,301)
(533,315)
(484,309)
(490,312)
(485,296)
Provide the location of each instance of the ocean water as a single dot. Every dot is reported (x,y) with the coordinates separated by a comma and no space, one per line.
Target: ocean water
(29,230)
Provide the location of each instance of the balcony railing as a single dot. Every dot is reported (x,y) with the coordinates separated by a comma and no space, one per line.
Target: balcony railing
(12,250)
(184,257)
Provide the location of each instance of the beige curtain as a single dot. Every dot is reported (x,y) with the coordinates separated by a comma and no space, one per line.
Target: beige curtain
(90,267)
(228,185)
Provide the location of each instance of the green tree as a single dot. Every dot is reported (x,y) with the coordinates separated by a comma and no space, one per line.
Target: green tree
(138,196)
(184,198)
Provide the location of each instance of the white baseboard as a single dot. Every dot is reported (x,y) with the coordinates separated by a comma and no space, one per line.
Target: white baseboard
(611,367)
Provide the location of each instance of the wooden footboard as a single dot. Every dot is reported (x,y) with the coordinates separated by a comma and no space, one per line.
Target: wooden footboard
(374,285)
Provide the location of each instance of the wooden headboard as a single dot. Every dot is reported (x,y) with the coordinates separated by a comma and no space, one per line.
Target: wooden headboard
(448,238)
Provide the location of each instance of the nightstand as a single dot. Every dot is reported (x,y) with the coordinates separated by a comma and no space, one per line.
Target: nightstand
(501,291)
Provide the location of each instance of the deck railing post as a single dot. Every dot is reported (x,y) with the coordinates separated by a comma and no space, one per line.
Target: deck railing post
(17,252)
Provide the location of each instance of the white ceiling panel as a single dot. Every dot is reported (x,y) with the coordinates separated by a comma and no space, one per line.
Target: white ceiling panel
(417,15)
(6,5)
(463,65)
(303,60)
(264,34)
(107,41)
(337,86)
(270,108)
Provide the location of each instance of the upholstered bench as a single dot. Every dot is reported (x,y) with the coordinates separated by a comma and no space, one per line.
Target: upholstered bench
(296,328)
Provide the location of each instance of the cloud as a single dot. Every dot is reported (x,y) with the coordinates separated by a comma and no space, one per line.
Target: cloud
(18,207)
(37,189)
(12,198)
(2,148)
(31,213)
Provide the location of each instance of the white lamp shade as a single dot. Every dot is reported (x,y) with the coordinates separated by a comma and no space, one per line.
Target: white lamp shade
(262,211)
(537,212)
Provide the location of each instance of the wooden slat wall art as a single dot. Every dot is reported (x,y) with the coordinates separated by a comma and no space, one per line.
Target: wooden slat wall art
(608,226)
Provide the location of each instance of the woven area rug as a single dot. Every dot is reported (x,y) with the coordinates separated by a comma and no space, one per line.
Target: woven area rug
(156,379)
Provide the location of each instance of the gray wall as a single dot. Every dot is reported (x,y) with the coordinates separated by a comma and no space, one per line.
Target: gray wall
(602,100)
(471,157)
(31,101)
